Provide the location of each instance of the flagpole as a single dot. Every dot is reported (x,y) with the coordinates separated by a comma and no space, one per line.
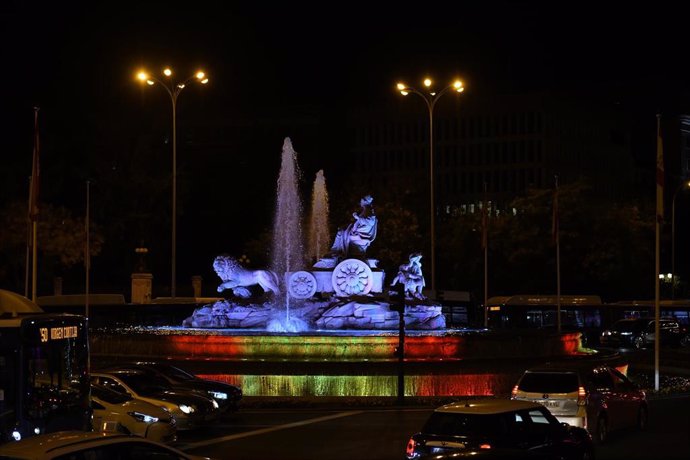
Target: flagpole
(659,220)
(29,236)
(87,253)
(558,259)
(485,243)
(33,208)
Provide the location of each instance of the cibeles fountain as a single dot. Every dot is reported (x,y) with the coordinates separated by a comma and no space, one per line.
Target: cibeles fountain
(330,326)
(344,289)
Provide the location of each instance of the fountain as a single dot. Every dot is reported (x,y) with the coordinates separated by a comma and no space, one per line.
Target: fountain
(318,218)
(329,327)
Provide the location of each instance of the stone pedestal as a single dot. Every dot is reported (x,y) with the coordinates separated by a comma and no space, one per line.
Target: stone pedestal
(141,287)
(196,285)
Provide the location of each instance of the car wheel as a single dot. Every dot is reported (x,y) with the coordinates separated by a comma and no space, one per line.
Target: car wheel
(602,432)
(642,418)
(638,342)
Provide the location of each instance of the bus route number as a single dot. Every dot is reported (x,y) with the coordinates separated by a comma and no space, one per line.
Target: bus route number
(57,333)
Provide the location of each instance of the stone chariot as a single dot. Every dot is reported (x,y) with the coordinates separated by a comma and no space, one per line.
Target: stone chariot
(349,277)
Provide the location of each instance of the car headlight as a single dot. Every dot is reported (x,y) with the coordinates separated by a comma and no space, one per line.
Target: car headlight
(140,416)
(215,404)
(186,409)
(218,394)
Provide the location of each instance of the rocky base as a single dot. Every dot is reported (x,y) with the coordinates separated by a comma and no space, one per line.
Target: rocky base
(314,314)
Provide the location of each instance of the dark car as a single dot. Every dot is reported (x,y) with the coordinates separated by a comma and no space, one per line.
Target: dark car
(227,396)
(190,408)
(639,333)
(507,426)
(594,396)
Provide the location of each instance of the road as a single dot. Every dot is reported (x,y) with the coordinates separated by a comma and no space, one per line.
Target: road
(381,434)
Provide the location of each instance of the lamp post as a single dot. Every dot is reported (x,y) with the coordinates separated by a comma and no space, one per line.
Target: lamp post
(173,89)
(684,184)
(431,97)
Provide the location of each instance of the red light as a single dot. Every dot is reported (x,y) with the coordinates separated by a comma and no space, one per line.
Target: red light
(513,393)
(485,446)
(410,447)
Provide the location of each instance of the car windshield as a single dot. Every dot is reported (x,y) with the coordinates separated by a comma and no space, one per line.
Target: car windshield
(625,326)
(144,383)
(173,372)
(549,382)
(108,395)
(451,424)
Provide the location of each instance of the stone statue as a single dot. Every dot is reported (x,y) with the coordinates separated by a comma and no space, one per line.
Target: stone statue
(356,237)
(411,277)
(237,278)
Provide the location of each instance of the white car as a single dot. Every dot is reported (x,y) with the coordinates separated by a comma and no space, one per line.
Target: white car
(191,410)
(90,444)
(119,412)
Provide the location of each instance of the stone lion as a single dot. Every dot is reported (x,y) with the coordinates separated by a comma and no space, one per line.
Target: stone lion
(237,278)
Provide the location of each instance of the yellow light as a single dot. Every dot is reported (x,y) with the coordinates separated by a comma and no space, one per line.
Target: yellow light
(200,75)
(458,86)
(150,82)
(427,82)
(181,85)
(401,86)
(204,81)
(167,72)
(143,76)
(404,93)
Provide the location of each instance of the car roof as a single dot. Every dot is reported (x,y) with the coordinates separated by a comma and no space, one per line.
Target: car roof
(488,406)
(45,443)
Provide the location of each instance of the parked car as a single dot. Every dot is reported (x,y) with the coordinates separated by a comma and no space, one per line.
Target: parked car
(227,396)
(119,412)
(190,409)
(638,333)
(593,396)
(90,444)
(507,426)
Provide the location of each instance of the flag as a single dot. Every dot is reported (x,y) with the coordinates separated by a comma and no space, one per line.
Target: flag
(554,217)
(659,172)
(35,174)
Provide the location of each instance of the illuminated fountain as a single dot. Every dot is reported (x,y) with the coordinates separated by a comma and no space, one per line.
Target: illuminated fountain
(330,327)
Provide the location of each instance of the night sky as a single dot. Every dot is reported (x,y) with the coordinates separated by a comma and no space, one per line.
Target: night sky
(77,61)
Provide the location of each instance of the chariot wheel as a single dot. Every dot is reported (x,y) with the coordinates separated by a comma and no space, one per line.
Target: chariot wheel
(302,285)
(352,277)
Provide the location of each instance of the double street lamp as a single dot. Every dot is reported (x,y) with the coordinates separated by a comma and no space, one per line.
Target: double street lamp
(684,184)
(173,89)
(431,97)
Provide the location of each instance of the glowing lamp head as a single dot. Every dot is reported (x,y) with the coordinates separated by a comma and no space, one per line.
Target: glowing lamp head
(200,75)
(427,82)
(204,81)
(167,72)
(143,76)
(458,86)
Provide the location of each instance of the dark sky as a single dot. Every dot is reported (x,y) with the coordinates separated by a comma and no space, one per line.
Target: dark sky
(77,60)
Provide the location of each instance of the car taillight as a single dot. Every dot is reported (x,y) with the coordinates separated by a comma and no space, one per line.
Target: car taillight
(513,393)
(409,451)
(581,396)
(485,446)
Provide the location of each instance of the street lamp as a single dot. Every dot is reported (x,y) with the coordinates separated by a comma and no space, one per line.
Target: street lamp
(684,184)
(430,98)
(173,89)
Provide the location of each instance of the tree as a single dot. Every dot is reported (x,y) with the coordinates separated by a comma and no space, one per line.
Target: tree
(61,243)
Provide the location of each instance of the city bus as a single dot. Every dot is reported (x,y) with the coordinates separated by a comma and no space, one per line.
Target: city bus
(44,370)
(584,313)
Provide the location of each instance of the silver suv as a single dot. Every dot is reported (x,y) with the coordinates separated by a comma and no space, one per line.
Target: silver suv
(597,397)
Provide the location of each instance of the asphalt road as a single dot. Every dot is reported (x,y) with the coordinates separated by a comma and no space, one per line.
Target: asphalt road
(382,433)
